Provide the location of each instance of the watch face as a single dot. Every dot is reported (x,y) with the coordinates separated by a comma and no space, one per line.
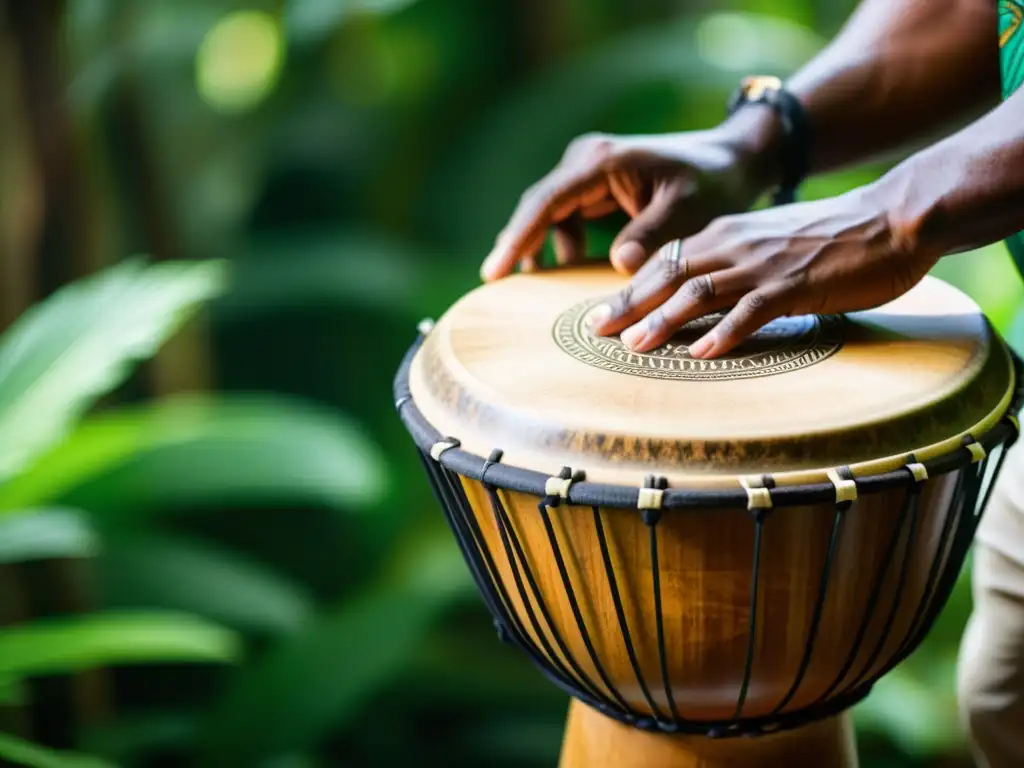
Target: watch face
(755,86)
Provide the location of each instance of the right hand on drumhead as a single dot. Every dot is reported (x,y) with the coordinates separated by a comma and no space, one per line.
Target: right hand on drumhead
(671,186)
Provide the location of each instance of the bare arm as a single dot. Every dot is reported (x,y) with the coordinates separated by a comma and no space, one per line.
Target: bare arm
(899,71)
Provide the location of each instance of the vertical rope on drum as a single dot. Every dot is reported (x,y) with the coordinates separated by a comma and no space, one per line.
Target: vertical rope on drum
(510,617)
(846,493)
(874,595)
(442,490)
(759,504)
(914,495)
(513,551)
(932,581)
(549,665)
(967,521)
(659,621)
(435,475)
(1003,450)
(469,522)
(570,594)
(620,613)
(748,663)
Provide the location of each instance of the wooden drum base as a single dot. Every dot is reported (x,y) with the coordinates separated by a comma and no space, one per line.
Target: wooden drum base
(595,741)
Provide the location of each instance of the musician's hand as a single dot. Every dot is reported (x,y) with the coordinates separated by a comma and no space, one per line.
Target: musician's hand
(671,185)
(837,255)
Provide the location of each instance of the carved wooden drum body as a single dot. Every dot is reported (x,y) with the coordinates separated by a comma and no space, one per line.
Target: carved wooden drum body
(698,550)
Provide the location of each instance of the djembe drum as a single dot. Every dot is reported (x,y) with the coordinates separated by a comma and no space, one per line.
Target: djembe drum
(701,550)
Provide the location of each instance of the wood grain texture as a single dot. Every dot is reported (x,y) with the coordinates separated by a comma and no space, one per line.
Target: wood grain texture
(594,741)
(706,562)
(909,377)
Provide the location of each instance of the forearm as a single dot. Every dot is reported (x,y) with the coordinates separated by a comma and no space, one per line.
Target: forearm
(964,192)
(900,71)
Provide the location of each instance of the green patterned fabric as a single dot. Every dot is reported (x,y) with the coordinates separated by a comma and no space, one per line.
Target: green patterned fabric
(1011,58)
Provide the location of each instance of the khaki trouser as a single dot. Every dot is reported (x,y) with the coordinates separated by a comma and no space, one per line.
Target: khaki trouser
(991,670)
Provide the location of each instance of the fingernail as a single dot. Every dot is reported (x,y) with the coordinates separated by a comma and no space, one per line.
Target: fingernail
(627,257)
(700,348)
(633,336)
(599,316)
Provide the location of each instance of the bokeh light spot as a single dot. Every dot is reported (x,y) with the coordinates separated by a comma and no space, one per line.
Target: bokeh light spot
(239,61)
(740,42)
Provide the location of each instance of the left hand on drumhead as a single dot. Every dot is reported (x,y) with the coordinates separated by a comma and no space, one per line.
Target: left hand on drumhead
(841,254)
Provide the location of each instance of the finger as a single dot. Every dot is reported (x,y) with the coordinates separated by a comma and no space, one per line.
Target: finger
(570,240)
(755,310)
(626,189)
(645,234)
(658,279)
(536,212)
(528,264)
(697,297)
(649,287)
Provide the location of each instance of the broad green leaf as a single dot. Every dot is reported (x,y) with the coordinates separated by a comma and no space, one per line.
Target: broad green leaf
(80,343)
(45,534)
(188,575)
(204,451)
(15,751)
(72,644)
(318,680)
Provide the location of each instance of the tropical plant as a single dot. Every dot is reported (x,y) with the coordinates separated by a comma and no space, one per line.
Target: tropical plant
(56,362)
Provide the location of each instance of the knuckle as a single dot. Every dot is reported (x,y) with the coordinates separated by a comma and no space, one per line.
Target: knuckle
(529,193)
(594,146)
(700,289)
(723,225)
(656,321)
(755,302)
(775,260)
(669,269)
(623,300)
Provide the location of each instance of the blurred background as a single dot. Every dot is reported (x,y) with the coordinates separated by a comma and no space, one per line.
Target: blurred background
(216,545)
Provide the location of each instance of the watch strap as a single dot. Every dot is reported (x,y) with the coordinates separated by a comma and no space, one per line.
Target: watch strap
(796,129)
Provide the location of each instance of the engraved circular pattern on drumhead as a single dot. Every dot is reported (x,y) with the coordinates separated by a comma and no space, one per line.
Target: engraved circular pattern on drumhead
(785,344)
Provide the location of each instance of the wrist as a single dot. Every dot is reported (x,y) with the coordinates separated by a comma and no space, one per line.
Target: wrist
(913,212)
(756,136)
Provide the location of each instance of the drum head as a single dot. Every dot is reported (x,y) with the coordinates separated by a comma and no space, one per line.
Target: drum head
(513,366)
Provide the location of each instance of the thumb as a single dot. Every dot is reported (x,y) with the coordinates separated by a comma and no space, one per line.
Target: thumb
(645,234)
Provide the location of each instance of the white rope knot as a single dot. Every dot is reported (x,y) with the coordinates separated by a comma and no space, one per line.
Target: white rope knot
(558,487)
(758,496)
(650,498)
(440,447)
(425,326)
(919,471)
(846,490)
(977,452)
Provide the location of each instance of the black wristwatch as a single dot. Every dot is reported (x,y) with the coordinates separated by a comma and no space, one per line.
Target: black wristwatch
(796,129)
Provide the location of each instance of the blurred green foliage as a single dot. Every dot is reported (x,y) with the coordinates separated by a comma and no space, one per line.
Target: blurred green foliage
(351,162)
